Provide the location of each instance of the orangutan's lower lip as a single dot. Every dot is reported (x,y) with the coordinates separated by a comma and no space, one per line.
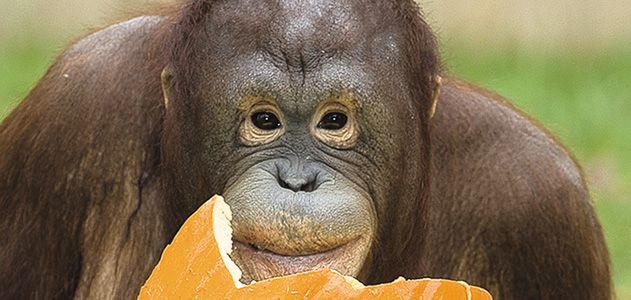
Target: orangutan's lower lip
(316,258)
(262,264)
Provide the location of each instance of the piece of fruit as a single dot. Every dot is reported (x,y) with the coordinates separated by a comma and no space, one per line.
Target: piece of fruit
(196,266)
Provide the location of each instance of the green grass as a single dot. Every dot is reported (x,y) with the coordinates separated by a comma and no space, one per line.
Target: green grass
(21,66)
(583,97)
(615,220)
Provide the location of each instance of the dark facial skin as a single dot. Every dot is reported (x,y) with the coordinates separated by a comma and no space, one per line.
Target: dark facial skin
(322,125)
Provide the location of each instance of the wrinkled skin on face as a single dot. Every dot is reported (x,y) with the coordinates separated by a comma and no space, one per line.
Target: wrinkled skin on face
(307,190)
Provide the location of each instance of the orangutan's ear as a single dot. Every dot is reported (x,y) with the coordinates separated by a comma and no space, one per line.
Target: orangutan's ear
(437,83)
(166,78)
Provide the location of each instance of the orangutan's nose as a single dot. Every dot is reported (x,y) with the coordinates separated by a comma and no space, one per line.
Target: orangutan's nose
(296,177)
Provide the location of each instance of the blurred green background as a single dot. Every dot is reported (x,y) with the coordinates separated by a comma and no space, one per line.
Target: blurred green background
(566,63)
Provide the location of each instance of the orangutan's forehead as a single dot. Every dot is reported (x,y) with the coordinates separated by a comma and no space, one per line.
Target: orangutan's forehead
(303,24)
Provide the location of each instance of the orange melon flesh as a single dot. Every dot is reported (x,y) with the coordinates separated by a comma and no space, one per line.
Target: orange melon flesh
(196,266)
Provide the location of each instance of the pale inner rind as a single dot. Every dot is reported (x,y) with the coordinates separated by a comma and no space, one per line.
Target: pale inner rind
(467,287)
(222,215)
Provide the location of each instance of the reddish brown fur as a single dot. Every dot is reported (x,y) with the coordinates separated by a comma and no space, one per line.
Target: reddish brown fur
(91,190)
(531,232)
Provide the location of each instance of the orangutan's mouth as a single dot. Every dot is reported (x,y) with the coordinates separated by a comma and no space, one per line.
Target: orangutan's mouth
(258,264)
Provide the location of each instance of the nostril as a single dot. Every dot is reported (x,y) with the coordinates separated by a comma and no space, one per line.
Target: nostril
(283,184)
(297,185)
(309,187)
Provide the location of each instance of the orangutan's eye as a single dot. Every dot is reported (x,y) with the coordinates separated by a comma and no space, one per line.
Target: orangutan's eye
(333,121)
(263,124)
(266,121)
(334,124)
